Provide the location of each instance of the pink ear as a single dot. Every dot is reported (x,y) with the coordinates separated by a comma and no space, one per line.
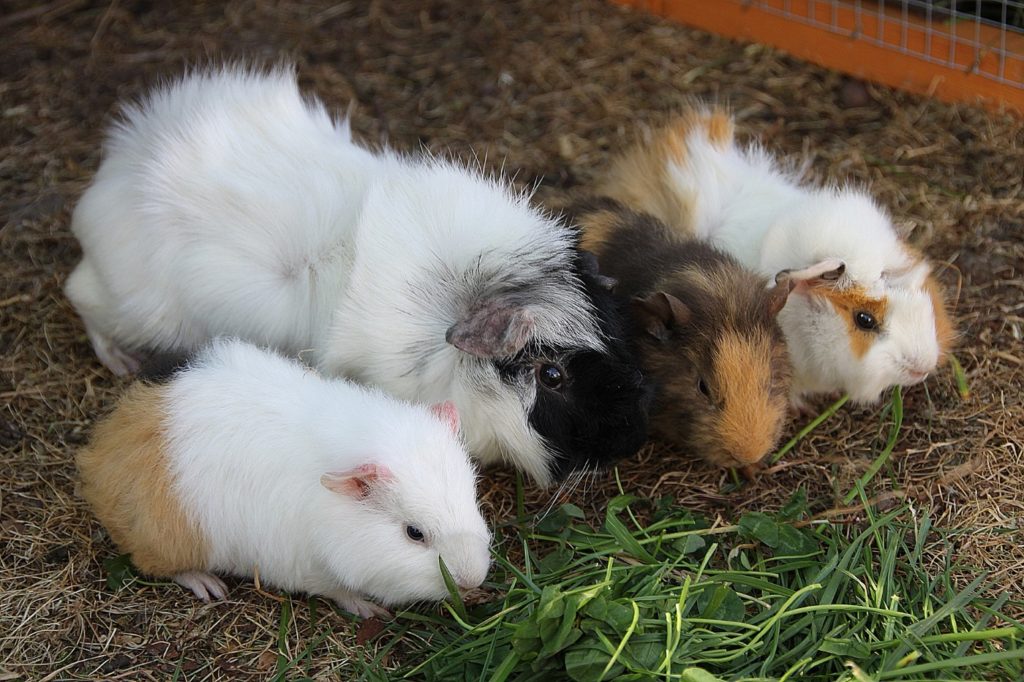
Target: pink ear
(358,482)
(447,413)
(495,328)
(824,273)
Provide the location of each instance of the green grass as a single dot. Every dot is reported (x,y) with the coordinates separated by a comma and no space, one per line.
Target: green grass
(652,592)
(770,598)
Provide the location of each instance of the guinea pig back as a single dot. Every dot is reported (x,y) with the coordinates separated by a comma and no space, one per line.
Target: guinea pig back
(228,204)
(705,329)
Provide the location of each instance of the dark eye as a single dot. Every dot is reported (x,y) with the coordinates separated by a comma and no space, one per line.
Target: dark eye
(414,533)
(865,320)
(550,376)
(702,386)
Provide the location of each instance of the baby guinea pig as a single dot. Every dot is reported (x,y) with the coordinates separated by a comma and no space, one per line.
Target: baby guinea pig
(874,317)
(229,204)
(706,333)
(247,461)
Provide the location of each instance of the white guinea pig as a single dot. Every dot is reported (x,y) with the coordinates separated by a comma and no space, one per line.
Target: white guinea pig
(868,313)
(247,461)
(227,204)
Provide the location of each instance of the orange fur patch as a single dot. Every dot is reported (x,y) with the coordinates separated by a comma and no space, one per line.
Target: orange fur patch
(752,418)
(126,481)
(945,333)
(848,301)
(720,128)
(638,178)
(596,226)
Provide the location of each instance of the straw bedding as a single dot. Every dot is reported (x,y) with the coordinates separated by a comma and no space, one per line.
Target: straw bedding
(547,91)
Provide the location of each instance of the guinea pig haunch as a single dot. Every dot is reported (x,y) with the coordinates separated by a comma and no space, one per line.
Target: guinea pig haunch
(247,461)
(705,328)
(879,322)
(228,204)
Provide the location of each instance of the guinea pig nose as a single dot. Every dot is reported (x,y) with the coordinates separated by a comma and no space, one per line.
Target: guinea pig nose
(751,471)
(466,583)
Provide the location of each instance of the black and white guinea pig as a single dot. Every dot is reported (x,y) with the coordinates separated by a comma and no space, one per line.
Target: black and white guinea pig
(872,317)
(228,204)
(246,461)
(705,329)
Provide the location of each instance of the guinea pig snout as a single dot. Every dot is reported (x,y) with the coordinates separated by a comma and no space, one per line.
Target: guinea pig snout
(468,560)
(749,458)
(915,371)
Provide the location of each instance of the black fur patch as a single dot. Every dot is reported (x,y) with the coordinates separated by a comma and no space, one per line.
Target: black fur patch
(600,414)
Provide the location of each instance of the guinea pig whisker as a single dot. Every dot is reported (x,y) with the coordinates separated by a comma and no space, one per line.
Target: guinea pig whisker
(564,491)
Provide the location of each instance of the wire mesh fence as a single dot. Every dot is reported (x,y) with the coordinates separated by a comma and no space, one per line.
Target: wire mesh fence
(980,37)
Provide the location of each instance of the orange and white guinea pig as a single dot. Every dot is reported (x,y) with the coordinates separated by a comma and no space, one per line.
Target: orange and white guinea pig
(872,317)
(247,461)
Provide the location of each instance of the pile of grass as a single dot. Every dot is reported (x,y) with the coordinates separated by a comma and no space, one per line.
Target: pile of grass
(654,591)
(769,598)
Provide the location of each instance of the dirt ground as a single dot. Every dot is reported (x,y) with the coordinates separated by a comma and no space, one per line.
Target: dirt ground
(549,90)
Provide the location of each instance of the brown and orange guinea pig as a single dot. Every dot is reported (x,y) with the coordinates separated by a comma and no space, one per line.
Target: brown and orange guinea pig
(705,329)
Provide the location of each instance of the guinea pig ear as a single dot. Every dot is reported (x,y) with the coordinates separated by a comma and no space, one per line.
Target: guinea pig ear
(779,294)
(495,328)
(357,483)
(590,266)
(823,273)
(447,413)
(660,312)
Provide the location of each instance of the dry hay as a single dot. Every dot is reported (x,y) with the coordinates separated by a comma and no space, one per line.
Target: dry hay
(549,89)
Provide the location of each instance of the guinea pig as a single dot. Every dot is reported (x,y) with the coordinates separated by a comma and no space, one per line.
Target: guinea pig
(705,329)
(227,204)
(873,317)
(247,462)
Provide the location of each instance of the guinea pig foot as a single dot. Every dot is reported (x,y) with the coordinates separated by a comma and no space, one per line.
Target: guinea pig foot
(118,361)
(353,603)
(206,586)
(800,408)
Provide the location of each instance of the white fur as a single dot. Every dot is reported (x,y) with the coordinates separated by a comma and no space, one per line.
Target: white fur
(228,205)
(745,203)
(250,434)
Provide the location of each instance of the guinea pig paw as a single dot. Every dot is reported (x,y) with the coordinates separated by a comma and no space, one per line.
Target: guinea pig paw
(206,586)
(800,408)
(353,603)
(118,361)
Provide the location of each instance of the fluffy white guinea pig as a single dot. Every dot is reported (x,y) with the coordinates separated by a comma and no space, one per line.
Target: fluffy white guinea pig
(868,314)
(248,461)
(228,204)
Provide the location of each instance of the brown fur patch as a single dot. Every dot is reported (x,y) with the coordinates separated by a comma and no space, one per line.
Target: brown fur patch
(752,414)
(638,177)
(126,481)
(945,332)
(848,301)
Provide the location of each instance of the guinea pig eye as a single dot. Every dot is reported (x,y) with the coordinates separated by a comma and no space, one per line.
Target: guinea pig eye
(702,386)
(865,320)
(414,533)
(550,376)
